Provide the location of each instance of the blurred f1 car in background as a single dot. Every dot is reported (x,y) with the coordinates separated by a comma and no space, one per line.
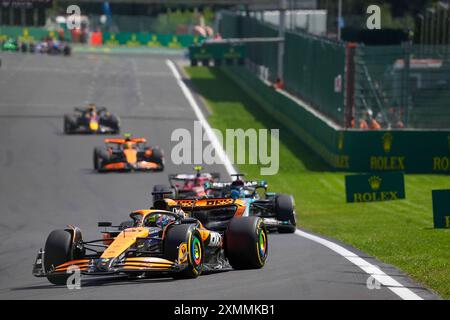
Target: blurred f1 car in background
(154,241)
(9,45)
(126,154)
(190,185)
(47,45)
(276,209)
(91,119)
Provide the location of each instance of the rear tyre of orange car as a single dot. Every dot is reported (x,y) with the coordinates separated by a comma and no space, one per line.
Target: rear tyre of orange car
(157,157)
(246,243)
(187,235)
(101,156)
(58,249)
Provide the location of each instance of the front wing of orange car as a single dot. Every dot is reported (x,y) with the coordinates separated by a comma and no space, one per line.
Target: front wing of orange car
(138,166)
(100,266)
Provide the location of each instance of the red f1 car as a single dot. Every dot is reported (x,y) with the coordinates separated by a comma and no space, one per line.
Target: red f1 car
(192,185)
(128,154)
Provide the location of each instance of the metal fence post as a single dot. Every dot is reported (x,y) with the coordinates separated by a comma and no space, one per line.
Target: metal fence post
(350,70)
(406,90)
(281,30)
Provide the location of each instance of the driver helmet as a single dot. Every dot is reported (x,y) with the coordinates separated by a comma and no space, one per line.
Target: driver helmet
(92,107)
(198,170)
(162,221)
(237,189)
(127,137)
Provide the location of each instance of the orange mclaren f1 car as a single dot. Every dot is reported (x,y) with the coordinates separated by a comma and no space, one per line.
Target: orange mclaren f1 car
(154,241)
(128,154)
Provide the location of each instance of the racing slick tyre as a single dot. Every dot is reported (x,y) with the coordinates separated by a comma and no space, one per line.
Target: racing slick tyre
(177,235)
(101,155)
(157,157)
(67,50)
(58,249)
(246,244)
(114,123)
(284,210)
(70,124)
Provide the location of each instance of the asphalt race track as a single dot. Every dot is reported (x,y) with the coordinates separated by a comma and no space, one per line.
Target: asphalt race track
(47,181)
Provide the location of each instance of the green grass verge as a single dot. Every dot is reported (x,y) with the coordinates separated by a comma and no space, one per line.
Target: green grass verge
(397,232)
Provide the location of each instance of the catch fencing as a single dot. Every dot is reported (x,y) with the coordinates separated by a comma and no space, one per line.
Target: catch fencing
(400,87)
(355,86)
(404,86)
(313,67)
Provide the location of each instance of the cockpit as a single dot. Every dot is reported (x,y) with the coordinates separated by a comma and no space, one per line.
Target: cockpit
(154,219)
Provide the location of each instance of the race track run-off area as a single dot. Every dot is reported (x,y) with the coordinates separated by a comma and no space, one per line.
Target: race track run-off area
(47,181)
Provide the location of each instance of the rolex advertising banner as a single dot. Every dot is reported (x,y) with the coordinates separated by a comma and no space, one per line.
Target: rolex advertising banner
(408,151)
(375,187)
(441,208)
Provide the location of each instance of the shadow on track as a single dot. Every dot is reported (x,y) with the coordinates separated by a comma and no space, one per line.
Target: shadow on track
(94,172)
(119,280)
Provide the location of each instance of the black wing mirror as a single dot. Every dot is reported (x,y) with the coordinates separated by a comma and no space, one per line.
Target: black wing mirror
(104,224)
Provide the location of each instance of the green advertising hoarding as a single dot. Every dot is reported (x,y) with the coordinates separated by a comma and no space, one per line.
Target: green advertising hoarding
(130,39)
(28,34)
(441,208)
(217,52)
(421,151)
(375,187)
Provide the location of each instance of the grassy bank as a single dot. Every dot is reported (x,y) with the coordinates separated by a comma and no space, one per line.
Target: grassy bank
(398,232)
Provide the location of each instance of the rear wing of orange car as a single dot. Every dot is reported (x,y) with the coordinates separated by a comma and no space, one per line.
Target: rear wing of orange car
(212,202)
(122,141)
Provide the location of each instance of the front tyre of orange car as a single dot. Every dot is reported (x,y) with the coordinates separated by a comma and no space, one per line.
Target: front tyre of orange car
(246,243)
(58,249)
(188,235)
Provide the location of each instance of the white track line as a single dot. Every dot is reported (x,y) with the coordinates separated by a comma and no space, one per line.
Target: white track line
(370,269)
(212,137)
